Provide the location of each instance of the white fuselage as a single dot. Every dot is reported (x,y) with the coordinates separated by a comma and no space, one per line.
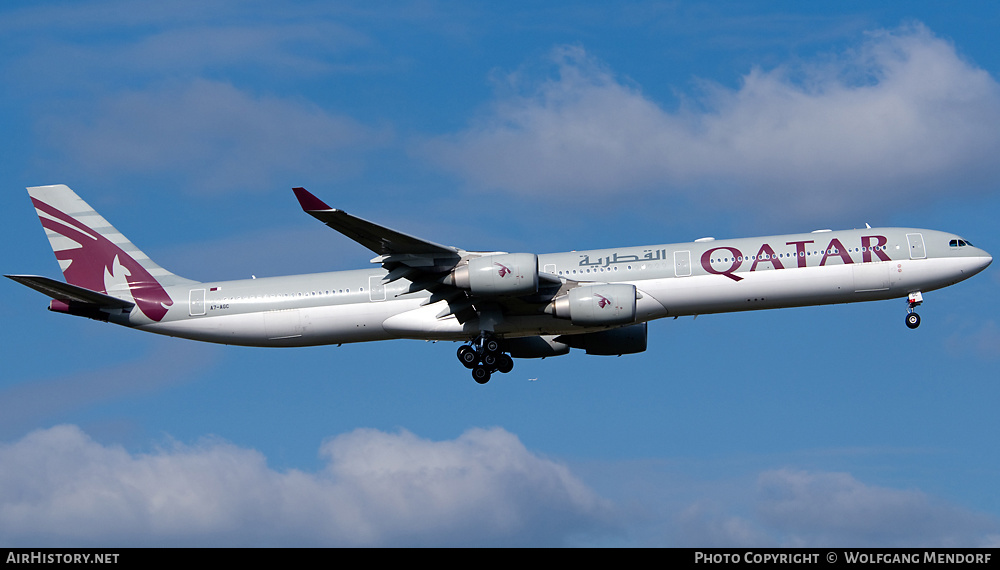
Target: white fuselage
(707,276)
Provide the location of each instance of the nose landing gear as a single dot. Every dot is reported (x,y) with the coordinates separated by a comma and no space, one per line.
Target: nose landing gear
(912,301)
(484,357)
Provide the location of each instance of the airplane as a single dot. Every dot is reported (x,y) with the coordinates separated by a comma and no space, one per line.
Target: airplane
(499,305)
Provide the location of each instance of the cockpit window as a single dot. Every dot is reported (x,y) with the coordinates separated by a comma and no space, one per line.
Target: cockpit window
(960,243)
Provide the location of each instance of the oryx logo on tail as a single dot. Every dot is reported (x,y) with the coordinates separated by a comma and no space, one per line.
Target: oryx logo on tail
(92,257)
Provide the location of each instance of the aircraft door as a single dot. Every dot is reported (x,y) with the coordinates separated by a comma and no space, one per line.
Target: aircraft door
(376,289)
(916,243)
(682,263)
(196,302)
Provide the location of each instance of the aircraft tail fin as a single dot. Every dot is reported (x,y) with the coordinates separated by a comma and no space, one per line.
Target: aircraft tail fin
(94,255)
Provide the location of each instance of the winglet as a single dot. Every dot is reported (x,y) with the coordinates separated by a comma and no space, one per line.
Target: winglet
(309,202)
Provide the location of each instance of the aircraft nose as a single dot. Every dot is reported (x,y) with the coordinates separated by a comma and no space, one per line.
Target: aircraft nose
(981,261)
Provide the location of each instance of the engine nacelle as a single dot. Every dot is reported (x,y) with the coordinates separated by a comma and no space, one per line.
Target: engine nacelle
(499,274)
(588,305)
(615,342)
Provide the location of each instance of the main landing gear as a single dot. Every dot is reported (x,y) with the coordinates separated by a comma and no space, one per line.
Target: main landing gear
(484,357)
(913,319)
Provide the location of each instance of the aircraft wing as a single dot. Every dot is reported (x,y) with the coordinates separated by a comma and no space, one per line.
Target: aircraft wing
(71,293)
(427,265)
(380,239)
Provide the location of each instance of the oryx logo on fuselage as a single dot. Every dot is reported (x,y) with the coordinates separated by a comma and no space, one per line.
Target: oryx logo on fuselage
(504,270)
(603,302)
(97,255)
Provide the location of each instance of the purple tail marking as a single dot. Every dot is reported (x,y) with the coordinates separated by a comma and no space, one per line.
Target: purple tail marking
(96,255)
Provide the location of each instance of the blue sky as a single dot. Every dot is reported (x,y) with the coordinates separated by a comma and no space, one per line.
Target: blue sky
(516,128)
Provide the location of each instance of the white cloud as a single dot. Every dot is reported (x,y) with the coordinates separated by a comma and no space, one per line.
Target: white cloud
(901,117)
(222,138)
(704,524)
(698,505)
(835,509)
(59,487)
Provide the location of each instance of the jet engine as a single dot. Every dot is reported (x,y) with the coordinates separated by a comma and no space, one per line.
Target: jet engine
(499,274)
(590,305)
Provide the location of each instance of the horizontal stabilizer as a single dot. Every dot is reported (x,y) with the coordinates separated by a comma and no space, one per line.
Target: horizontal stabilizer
(71,293)
(380,239)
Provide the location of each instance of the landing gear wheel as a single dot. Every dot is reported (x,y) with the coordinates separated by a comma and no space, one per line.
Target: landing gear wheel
(505,364)
(481,374)
(485,355)
(467,355)
(913,320)
(490,359)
